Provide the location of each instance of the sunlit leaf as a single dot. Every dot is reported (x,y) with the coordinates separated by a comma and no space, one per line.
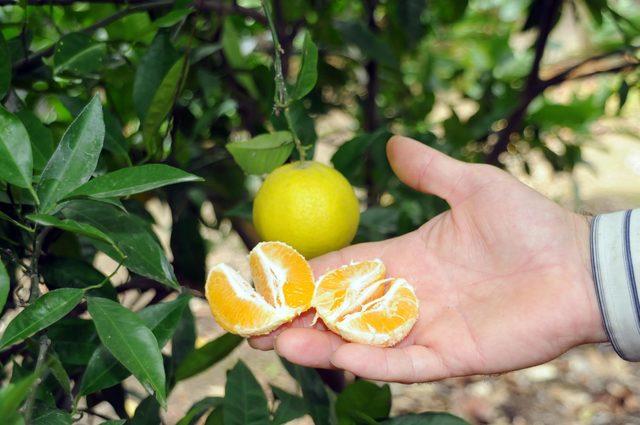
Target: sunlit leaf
(263,153)
(78,54)
(132,180)
(131,342)
(16,161)
(75,158)
(132,234)
(44,311)
(308,74)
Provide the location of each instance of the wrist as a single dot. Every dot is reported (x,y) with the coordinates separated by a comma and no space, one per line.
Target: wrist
(590,320)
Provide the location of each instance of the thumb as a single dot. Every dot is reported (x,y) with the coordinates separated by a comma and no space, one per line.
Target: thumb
(430,171)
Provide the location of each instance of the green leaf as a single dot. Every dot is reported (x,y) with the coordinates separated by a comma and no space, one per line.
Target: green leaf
(74,340)
(162,104)
(73,226)
(263,153)
(184,337)
(12,395)
(58,371)
(163,318)
(244,402)
(596,7)
(53,417)
(216,417)
(147,413)
(198,409)
(132,180)
(104,371)
(370,44)
(114,422)
(5,67)
(153,67)
(75,158)
(314,392)
(132,234)
(130,342)
(186,237)
(40,136)
(206,356)
(366,398)
(308,74)
(78,54)
(61,272)
(449,12)
(114,141)
(172,18)
(428,418)
(409,17)
(291,407)
(5,285)
(623,94)
(16,162)
(233,54)
(46,310)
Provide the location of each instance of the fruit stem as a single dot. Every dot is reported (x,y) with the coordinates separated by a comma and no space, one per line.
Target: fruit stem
(281,97)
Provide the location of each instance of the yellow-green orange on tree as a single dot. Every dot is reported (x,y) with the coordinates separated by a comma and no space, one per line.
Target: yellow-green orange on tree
(308,205)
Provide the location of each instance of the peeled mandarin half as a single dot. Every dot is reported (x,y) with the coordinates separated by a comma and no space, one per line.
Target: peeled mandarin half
(282,288)
(357,302)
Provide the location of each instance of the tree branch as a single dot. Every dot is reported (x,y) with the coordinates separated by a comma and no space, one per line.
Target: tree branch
(211,5)
(369,108)
(134,6)
(531,89)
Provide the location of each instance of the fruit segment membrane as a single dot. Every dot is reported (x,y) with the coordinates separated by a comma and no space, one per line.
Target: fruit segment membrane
(356,301)
(283,288)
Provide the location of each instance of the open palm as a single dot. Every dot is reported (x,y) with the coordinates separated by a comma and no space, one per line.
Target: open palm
(503,279)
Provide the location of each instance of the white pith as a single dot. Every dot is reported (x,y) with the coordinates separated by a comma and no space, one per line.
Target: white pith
(244,291)
(275,273)
(358,291)
(354,294)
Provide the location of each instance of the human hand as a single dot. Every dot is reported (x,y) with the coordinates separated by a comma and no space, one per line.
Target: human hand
(503,277)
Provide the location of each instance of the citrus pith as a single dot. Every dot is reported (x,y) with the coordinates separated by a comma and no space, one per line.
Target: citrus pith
(358,303)
(283,288)
(308,205)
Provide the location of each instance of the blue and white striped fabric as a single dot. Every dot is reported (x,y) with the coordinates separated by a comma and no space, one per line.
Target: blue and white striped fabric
(615,254)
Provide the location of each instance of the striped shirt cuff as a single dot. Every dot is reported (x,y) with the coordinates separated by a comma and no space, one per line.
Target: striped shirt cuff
(615,254)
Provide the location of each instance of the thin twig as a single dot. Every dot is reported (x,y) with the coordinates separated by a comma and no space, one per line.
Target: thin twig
(282,101)
(43,347)
(531,86)
(134,6)
(34,291)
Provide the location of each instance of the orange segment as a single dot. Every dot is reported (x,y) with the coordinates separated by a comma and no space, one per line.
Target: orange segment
(341,290)
(359,304)
(281,275)
(283,289)
(385,320)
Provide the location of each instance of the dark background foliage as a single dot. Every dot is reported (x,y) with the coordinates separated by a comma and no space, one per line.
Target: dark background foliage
(105,102)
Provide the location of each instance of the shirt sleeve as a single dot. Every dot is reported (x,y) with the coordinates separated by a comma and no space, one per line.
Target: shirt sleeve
(615,256)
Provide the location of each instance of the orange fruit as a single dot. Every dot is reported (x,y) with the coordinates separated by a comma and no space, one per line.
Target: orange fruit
(282,288)
(357,302)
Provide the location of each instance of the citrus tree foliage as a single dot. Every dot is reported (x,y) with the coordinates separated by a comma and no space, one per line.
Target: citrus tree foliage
(106,105)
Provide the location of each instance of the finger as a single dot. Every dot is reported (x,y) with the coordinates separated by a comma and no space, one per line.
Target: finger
(266,342)
(410,364)
(430,171)
(308,347)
